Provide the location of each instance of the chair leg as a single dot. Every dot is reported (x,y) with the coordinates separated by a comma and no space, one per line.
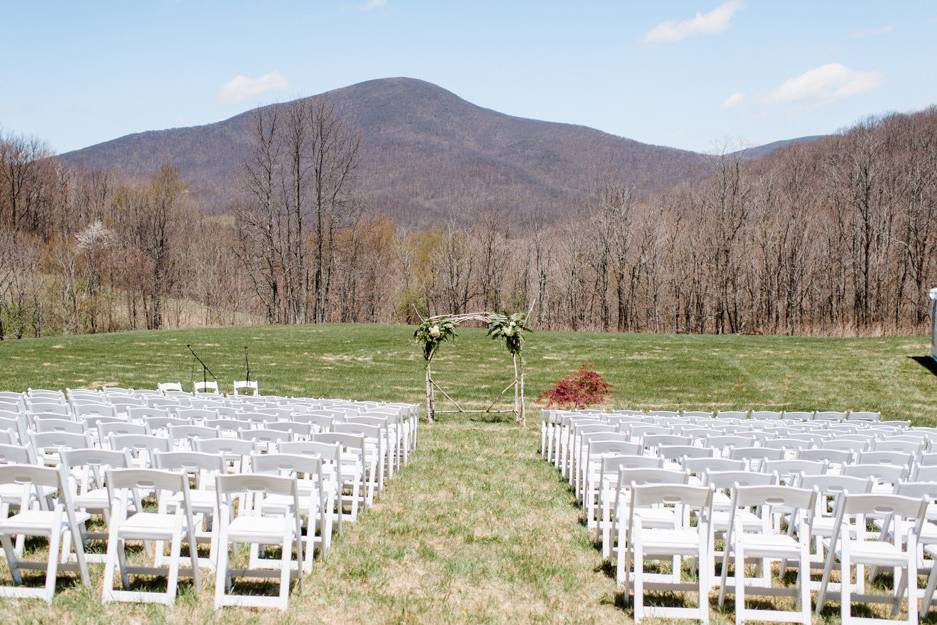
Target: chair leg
(739,583)
(286,558)
(911,576)
(638,582)
(172,583)
(55,539)
(704,572)
(221,568)
(845,576)
(929,590)
(10,552)
(803,581)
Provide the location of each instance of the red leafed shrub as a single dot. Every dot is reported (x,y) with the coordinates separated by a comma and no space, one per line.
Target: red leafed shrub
(584,387)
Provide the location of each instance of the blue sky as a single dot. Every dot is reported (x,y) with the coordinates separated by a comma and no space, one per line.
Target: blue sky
(690,74)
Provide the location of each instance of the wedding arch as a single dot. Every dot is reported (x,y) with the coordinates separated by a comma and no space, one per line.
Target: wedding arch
(435,330)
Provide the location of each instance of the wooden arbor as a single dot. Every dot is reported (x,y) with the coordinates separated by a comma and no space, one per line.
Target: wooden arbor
(434,330)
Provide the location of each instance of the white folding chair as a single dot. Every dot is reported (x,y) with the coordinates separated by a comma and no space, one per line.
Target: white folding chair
(308,472)
(87,471)
(34,520)
(249,527)
(858,547)
(124,486)
(765,544)
(246,387)
(201,469)
(683,541)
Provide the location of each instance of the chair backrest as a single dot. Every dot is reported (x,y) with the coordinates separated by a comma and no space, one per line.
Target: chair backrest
(698,466)
(677,452)
(320,423)
(904,514)
(16,454)
(188,432)
(264,436)
(117,428)
(731,479)
(239,483)
(788,468)
(283,464)
(732,414)
(296,429)
(618,462)
(765,415)
(759,454)
(898,458)
(59,440)
(633,477)
(829,415)
(209,386)
(864,416)
(671,494)
(60,425)
(605,447)
(351,442)
(832,456)
(83,408)
(885,473)
(245,387)
(329,452)
(725,441)
(899,446)
(140,442)
(226,446)
(169,387)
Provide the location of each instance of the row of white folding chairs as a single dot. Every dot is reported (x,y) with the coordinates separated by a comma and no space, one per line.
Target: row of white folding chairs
(668,519)
(366,444)
(391,448)
(403,420)
(273,501)
(756,459)
(571,438)
(145,451)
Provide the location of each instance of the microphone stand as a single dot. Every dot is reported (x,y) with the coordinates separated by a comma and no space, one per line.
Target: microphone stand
(247,365)
(205,370)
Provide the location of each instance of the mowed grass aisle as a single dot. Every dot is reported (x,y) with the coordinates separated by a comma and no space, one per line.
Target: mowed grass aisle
(477,528)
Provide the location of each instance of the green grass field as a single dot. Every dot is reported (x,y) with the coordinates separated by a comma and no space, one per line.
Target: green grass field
(477,528)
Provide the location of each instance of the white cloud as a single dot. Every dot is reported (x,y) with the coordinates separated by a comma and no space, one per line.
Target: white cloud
(243,87)
(716,21)
(371,5)
(733,100)
(827,82)
(873,32)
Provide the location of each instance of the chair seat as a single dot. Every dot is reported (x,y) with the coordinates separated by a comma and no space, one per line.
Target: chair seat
(200,499)
(282,503)
(874,552)
(745,519)
(12,493)
(256,528)
(95,499)
(36,522)
(149,525)
(670,541)
(770,545)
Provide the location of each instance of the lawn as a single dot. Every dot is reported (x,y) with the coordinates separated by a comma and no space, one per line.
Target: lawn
(476,529)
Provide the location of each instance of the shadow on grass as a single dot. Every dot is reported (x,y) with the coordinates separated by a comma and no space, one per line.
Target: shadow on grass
(927,362)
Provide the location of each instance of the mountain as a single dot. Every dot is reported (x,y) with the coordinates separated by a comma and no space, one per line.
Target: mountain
(427,154)
(761,151)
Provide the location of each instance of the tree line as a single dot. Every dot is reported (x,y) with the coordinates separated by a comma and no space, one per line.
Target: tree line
(836,236)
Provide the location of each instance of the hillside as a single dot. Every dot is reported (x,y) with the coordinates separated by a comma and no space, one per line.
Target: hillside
(426,154)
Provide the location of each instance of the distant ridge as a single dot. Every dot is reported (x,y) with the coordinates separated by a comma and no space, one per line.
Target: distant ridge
(427,155)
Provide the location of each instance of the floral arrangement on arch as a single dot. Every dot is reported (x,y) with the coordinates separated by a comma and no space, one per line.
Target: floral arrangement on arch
(431,333)
(511,328)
